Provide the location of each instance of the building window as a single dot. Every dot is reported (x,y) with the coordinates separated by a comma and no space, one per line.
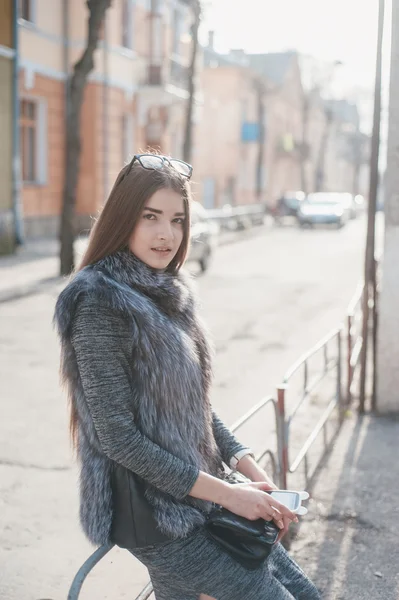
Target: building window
(33,141)
(127,24)
(29,140)
(26,10)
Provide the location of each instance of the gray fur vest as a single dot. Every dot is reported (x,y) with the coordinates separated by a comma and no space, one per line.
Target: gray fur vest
(160,307)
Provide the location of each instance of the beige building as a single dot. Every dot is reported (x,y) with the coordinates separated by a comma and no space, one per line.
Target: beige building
(347,156)
(284,121)
(226,151)
(249,132)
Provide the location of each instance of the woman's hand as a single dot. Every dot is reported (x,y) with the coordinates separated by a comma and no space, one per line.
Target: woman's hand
(251,500)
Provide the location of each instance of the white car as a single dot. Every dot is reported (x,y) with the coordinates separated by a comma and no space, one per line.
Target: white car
(204,236)
(324,208)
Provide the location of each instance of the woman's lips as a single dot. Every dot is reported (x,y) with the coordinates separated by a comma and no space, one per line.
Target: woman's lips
(162,251)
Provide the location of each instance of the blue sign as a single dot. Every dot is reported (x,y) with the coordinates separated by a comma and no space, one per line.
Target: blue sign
(250,132)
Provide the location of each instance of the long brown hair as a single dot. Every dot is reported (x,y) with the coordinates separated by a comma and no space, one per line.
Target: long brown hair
(133,187)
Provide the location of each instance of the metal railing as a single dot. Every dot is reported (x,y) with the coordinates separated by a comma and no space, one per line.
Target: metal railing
(309,385)
(283,422)
(275,460)
(234,218)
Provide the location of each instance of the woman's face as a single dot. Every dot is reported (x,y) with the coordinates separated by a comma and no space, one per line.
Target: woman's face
(159,231)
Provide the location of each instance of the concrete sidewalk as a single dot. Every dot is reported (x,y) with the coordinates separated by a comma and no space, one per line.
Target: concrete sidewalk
(349,542)
(33,265)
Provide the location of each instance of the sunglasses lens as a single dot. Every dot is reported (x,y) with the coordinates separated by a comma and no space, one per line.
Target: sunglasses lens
(151,162)
(182,167)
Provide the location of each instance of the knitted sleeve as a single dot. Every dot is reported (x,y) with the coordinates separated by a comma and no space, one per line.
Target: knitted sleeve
(103,344)
(226,441)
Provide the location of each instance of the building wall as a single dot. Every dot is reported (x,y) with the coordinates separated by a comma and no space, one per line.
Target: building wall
(283,134)
(222,159)
(6,116)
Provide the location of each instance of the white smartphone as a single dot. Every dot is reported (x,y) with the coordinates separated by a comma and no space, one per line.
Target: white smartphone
(292,500)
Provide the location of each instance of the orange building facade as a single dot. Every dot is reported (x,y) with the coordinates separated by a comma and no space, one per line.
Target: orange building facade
(133,99)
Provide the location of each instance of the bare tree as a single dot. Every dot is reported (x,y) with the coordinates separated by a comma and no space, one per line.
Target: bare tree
(321,163)
(77,84)
(305,134)
(188,137)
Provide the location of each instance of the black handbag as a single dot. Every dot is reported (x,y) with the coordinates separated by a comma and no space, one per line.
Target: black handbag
(248,542)
(133,522)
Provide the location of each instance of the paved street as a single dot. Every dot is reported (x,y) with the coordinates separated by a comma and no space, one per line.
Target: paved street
(266,300)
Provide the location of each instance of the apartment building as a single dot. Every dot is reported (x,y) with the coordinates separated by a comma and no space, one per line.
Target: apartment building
(250,133)
(133,99)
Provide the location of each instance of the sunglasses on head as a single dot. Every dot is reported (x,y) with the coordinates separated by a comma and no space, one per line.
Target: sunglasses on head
(154,162)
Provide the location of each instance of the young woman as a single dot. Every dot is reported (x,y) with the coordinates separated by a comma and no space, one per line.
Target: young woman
(137,363)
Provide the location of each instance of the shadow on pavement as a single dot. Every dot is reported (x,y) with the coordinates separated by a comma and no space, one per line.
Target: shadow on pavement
(351,532)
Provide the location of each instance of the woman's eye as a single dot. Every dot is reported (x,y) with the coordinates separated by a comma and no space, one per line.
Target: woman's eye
(149,216)
(179,220)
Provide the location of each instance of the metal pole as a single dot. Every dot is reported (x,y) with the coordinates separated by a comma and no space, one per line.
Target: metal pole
(375,337)
(339,380)
(370,242)
(282,437)
(349,362)
(16,158)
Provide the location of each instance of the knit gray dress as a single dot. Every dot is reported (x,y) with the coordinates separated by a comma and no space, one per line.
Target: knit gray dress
(138,366)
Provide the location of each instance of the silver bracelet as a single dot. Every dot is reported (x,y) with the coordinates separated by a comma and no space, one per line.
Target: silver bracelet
(238,456)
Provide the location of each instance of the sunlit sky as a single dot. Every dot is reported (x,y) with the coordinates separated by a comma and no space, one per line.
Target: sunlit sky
(330,30)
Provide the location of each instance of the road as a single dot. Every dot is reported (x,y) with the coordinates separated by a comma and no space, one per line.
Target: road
(266,300)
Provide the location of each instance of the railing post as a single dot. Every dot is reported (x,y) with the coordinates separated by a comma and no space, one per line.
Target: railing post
(341,405)
(282,437)
(349,369)
(305,377)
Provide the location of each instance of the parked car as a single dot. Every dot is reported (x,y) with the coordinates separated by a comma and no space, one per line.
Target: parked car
(204,236)
(324,208)
(288,205)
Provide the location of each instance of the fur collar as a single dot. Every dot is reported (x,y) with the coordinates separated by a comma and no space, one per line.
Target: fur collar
(172,292)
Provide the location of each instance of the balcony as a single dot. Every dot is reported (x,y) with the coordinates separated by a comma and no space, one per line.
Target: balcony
(179,74)
(165,83)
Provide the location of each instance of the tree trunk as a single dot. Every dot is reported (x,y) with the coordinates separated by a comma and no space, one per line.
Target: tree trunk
(77,84)
(188,137)
(304,146)
(321,164)
(261,144)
